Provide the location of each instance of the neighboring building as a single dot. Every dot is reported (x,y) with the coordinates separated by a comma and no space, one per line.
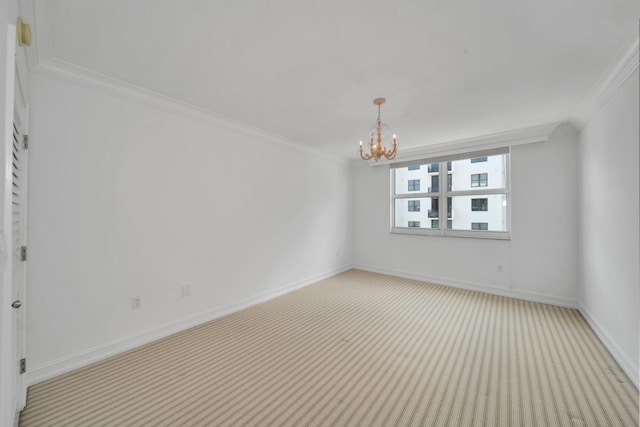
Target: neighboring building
(464,212)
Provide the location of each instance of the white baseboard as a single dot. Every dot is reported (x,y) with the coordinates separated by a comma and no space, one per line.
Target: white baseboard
(628,366)
(480,287)
(96,354)
(104,351)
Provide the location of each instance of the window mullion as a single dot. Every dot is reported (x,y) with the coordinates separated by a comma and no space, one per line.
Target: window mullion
(412,195)
(479,192)
(442,203)
(392,211)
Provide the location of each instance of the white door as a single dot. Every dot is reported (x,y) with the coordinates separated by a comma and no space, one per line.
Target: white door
(19,242)
(14,227)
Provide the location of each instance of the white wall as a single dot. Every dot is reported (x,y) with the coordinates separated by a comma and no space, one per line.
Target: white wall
(539,262)
(129,200)
(544,235)
(610,277)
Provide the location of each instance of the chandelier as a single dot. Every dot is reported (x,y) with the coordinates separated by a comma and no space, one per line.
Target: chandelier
(378,131)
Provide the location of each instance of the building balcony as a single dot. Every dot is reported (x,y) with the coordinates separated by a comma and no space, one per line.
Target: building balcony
(432,213)
(435,167)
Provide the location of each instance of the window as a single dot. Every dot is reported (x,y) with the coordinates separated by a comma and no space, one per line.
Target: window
(414,168)
(414,224)
(433,212)
(478,205)
(473,203)
(479,179)
(435,180)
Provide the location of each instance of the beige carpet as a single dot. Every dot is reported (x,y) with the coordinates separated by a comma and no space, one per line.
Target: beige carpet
(358,349)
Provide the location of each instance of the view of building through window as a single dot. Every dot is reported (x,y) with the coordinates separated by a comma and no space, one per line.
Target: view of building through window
(474,199)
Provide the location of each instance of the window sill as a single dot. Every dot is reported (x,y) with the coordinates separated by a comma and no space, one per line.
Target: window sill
(470,234)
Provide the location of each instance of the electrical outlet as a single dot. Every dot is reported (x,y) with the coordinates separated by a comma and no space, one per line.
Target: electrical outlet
(500,268)
(186,290)
(136,302)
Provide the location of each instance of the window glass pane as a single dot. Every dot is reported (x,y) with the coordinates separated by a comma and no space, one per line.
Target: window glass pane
(405,217)
(410,180)
(463,216)
(467,175)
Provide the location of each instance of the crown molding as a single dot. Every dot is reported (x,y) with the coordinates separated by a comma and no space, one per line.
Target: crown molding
(510,138)
(72,74)
(621,68)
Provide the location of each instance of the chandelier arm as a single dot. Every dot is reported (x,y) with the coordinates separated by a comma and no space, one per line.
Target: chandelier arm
(392,153)
(365,156)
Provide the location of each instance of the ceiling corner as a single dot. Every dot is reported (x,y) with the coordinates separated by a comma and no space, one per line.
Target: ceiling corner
(620,69)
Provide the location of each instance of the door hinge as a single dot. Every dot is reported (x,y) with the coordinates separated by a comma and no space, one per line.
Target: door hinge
(23,365)
(25,142)
(23,253)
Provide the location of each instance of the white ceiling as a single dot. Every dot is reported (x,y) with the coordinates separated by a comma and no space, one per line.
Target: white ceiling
(309,70)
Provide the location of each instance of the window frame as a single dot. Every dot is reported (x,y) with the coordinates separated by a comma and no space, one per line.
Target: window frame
(443,195)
